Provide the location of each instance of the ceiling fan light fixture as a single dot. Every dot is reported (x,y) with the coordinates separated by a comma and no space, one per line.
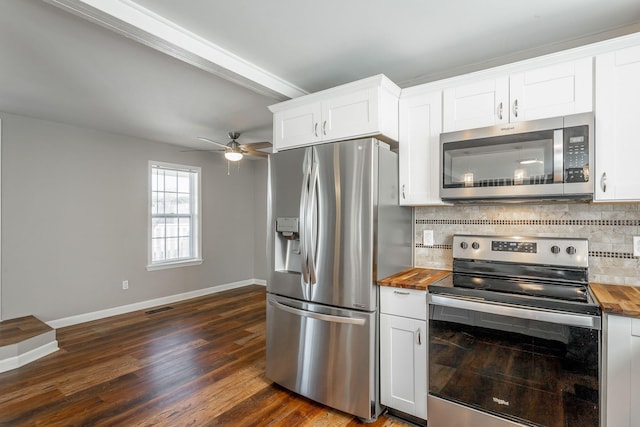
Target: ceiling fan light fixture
(233,156)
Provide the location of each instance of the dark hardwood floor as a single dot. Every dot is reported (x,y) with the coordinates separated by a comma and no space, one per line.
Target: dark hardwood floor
(199,363)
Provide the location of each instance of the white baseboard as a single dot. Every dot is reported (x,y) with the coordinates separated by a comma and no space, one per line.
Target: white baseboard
(101,314)
(28,357)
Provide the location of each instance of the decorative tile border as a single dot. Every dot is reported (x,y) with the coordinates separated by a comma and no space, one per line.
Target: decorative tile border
(605,254)
(588,222)
(447,247)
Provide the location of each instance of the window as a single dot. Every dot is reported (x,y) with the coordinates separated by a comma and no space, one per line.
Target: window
(174,216)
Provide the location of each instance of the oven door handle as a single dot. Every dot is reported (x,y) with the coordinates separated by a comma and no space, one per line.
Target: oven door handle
(563,318)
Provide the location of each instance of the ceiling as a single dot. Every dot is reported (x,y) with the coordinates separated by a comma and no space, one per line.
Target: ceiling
(171,71)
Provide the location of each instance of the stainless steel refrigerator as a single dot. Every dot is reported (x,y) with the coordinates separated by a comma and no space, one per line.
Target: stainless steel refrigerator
(335,227)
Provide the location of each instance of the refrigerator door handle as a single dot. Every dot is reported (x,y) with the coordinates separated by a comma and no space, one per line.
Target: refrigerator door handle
(304,201)
(312,219)
(317,316)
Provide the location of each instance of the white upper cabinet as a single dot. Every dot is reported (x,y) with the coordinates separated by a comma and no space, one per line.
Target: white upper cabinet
(617,114)
(419,148)
(477,104)
(298,125)
(555,90)
(363,108)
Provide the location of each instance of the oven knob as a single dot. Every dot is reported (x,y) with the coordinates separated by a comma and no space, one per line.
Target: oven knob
(464,245)
(475,245)
(555,249)
(571,250)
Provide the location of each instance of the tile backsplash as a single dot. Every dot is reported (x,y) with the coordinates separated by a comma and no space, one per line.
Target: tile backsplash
(610,228)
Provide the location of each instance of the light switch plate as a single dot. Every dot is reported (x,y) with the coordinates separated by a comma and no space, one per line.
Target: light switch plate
(427,237)
(636,245)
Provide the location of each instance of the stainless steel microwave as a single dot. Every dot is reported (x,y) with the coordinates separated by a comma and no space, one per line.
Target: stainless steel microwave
(539,159)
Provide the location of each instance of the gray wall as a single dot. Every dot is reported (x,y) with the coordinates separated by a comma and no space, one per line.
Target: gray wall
(74,220)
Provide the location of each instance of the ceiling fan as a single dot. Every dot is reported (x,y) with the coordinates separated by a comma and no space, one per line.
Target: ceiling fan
(234,151)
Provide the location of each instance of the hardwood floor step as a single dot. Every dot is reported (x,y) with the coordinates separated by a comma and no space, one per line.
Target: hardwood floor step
(24,340)
(14,331)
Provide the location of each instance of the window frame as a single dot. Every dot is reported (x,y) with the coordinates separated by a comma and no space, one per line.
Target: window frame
(196,217)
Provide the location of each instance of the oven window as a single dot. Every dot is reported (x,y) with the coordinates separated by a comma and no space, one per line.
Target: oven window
(499,161)
(525,370)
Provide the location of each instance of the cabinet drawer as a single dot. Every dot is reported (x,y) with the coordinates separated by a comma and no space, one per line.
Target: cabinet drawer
(403,302)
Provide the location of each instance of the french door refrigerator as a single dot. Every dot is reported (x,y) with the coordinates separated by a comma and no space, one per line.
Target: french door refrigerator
(335,226)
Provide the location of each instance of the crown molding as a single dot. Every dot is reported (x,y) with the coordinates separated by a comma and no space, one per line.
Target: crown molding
(144,26)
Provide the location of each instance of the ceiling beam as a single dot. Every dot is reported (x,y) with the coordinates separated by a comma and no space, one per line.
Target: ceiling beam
(132,20)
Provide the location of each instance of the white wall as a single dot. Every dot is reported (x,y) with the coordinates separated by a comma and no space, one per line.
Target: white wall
(74,220)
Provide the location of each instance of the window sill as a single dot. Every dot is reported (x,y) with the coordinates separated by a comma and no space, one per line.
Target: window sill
(164,266)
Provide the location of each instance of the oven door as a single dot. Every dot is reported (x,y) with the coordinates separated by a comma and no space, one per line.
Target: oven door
(500,365)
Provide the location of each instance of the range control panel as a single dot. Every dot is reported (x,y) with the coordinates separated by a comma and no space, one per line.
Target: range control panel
(557,251)
(511,246)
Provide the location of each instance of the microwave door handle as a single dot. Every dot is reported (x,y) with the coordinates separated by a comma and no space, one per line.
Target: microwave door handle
(558,152)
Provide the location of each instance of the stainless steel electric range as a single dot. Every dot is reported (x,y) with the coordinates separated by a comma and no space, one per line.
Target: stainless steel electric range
(514,335)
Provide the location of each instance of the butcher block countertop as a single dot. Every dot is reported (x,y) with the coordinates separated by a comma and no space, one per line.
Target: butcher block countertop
(617,299)
(414,278)
(613,299)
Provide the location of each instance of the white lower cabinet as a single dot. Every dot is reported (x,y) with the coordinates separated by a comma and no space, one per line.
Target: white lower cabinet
(403,351)
(622,371)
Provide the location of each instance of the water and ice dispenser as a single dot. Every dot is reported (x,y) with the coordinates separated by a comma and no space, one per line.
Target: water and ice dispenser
(287,250)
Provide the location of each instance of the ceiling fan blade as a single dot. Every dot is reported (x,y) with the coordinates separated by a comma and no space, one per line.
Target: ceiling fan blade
(217,150)
(257,145)
(212,142)
(255,153)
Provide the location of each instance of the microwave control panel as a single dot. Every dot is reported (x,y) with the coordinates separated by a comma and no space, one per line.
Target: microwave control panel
(576,154)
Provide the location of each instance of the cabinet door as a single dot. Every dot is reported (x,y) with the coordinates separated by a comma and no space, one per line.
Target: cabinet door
(350,115)
(419,149)
(617,112)
(622,371)
(297,126)
(403,364)
(556,90)
(474,105)
(634,396)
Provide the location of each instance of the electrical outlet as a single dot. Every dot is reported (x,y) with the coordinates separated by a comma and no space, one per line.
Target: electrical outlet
(125,284)
(427,237)
(636,245)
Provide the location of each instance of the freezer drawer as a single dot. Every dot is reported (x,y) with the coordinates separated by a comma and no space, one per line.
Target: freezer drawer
(324,353)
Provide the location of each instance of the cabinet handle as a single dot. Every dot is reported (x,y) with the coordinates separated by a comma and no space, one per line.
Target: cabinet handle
(419,337)
(401,293)
(315,129)
(603,182)
(324,128)
(403,196)
(500,111)
(515,108)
